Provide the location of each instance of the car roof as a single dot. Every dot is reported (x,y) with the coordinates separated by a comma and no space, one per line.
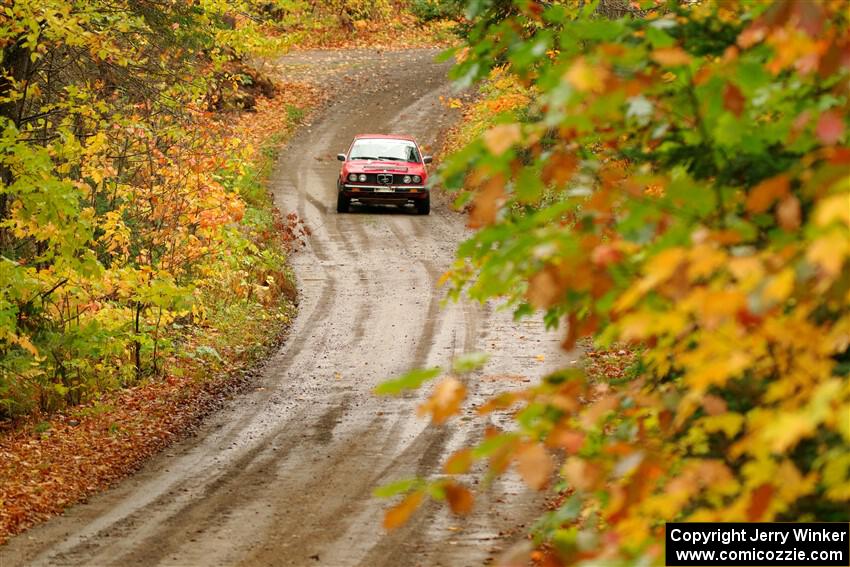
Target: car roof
(385,137)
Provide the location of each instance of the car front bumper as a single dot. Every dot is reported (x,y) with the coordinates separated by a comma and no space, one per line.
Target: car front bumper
(384,193)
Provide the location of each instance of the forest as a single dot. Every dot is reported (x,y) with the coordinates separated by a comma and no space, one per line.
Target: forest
(665,184)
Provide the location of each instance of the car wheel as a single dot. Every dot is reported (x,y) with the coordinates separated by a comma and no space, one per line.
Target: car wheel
(424,207)
(343,203)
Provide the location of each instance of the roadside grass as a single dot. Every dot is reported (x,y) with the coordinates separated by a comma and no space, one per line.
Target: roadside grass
(403,30)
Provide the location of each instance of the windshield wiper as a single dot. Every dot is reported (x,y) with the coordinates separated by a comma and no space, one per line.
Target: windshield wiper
(391,158)
(362,157)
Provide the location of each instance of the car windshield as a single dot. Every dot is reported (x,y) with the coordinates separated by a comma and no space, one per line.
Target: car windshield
(384,149)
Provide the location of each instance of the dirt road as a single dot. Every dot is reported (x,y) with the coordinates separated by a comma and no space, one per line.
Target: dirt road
(284,474)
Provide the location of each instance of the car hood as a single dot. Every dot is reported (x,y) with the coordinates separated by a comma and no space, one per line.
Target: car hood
(384,166)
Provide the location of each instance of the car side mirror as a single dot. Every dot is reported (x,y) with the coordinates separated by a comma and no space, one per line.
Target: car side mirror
(340,157)
(427,159)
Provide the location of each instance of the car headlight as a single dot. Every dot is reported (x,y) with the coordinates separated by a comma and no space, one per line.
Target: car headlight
(406,179)
(416,179)
(362,177)
(352,177)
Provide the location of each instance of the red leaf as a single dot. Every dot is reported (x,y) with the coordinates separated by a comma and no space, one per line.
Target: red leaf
(733,99)
(759,501)
(830,127)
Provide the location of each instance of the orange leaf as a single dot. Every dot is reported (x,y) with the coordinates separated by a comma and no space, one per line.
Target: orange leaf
(487,202)
(559,168)
(571,441)
(445,401)
(500,402)
(762,196)
(788,213)
(759,501)
(581,474)
(459,462)
(544,288)
(598,409)
(399,514)
(501,137)
(713,405)
(459,497)
(534,465)
(670,56)
(572,333)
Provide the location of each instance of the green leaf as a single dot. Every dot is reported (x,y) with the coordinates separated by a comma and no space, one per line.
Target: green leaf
(658,38)
(469,362)
(529,188)
(397,487)
(408,381)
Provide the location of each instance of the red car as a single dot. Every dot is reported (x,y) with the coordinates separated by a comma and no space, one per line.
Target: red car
(383,169)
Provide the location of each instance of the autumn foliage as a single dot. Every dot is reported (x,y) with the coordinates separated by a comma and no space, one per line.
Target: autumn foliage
(678,183)
(129,211)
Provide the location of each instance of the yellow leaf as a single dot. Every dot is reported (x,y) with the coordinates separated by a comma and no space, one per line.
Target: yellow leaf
(663,265)
(780,286)
(787,430)
(828,252)
(833,208)
(729,423)
(586,77)
(836,475)
(714,364)
(26,344)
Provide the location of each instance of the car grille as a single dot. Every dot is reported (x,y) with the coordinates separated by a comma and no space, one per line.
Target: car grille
(373,179)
